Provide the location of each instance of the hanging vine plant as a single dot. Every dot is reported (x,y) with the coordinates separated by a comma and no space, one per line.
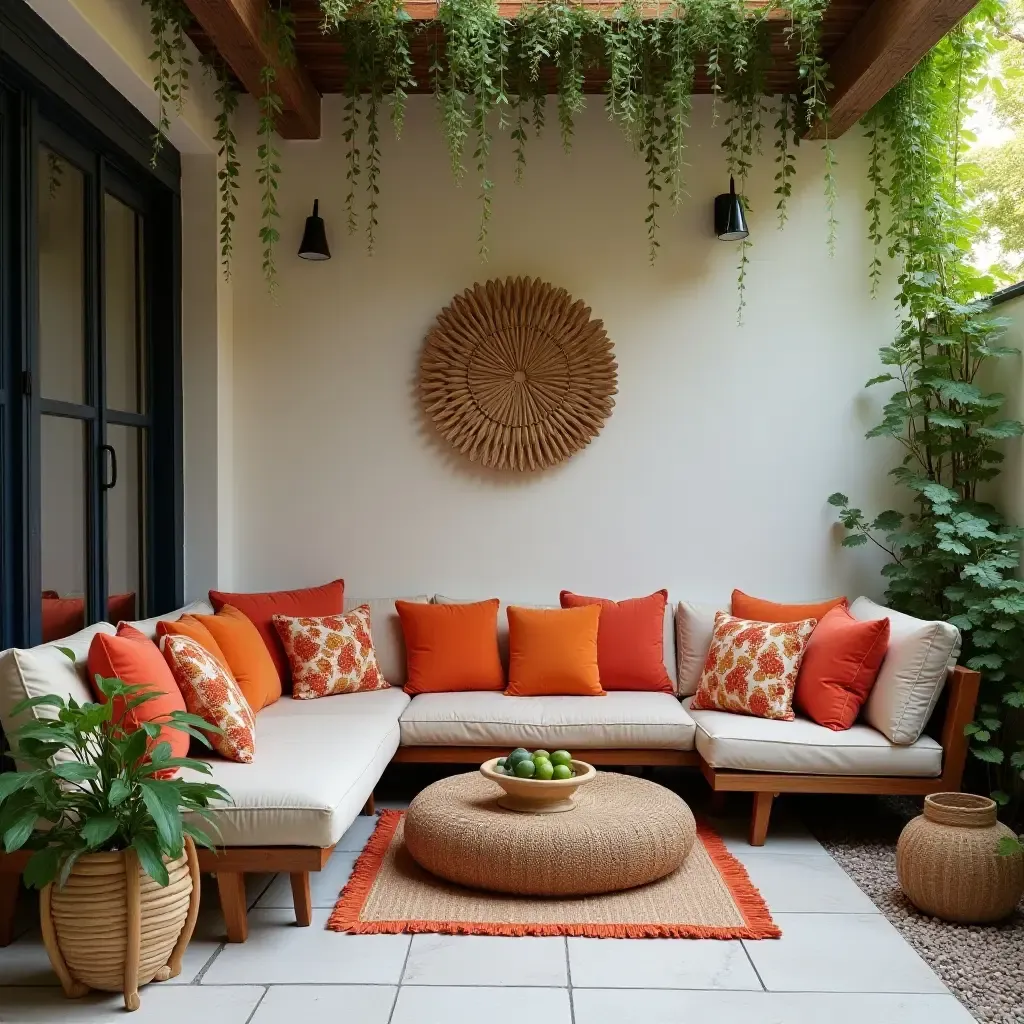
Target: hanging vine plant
(491,74)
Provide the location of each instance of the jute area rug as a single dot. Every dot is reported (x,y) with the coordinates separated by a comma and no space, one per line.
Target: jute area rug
(709,897)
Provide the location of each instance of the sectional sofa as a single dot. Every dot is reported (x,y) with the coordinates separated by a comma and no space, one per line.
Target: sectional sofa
(318,761)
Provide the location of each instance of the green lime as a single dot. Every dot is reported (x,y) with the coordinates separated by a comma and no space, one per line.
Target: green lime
(517,755)
(541,754)
(561,772)
(525,768)
(561,757)
(545,769)
(498,770)
(500,763)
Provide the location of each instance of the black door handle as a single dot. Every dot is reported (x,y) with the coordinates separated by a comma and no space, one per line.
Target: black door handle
(113,466)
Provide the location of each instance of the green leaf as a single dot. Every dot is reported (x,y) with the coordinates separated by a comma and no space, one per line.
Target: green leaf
(854,540)
(47,699)
(150,859)
(75,771)
(880,379)
(41,868)
(1001,430)
(96,831)
(162,803)
(68,653)
(991,755)
(119,792)
(17,834)
(11,782)
(1008,846)
(838,500)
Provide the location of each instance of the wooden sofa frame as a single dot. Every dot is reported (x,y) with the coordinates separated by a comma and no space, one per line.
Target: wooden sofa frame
(231,864)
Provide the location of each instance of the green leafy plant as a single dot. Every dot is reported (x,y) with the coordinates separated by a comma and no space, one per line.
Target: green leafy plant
(230,168)
(952,555)
(168,21)
(90,780)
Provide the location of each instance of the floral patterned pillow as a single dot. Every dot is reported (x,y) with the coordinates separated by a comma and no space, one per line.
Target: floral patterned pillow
(330,654)
(751,667)
(213,695)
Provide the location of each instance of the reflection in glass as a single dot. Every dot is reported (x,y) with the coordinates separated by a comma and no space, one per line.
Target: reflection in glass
(122,235)
(126,507)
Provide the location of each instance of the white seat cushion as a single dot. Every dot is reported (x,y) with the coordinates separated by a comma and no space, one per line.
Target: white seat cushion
(622,719)
(803,747)
(316,764)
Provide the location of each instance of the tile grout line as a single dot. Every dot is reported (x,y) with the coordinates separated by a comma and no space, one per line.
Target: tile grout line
(568,978)
(259,1003)
(401,979)
(753,966)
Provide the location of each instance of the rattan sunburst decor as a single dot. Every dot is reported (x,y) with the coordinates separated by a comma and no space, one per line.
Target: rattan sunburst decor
(516,375)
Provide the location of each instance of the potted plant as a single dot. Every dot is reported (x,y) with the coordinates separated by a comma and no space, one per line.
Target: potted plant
(113,858)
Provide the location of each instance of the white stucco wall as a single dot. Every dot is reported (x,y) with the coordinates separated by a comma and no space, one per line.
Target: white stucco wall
(714,467)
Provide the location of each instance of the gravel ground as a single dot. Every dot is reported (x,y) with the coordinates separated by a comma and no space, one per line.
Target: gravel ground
(983,966)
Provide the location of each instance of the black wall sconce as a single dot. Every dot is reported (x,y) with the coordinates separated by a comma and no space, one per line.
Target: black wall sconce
(314,238)
(730,220)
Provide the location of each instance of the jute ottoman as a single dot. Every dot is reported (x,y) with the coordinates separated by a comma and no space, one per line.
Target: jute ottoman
(624,832)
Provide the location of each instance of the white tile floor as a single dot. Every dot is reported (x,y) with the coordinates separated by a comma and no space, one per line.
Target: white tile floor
(839,960)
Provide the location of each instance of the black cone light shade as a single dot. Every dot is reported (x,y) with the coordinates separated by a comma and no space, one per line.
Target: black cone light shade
(730,220)
(314,238)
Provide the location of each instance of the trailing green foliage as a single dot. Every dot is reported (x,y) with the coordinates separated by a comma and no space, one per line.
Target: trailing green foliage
(952,556)
(230,169)
(168,20)
(96,785)
(490,74)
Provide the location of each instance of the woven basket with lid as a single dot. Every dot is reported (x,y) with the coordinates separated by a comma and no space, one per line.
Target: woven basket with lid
(112,928)
(947,863)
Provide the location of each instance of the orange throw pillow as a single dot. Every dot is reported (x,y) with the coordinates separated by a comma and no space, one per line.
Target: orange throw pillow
(751,667)
(451,647)
(630,641)
(260,609)
(554,651)
(840,667)
(189,625)
(214,696)
(246,654)
(746,607)
(134,659)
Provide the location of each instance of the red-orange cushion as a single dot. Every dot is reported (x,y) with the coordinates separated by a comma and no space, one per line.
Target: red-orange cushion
(451,647)
(134,659)
(746,607)
(553,651)
(630,641)
(260,610)
(839,668)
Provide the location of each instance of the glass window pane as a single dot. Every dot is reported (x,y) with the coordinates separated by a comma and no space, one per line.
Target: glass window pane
(122,303)
(63,525)
(60,188)
(126,507)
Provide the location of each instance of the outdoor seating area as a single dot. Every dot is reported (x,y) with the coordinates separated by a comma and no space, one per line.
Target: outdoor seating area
(512,510)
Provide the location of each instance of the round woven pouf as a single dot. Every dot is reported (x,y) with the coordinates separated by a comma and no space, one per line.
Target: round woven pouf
(947,862)
(624,832)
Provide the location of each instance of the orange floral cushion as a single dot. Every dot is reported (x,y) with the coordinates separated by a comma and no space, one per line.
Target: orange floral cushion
(330,654)
(212,694)
(752,666)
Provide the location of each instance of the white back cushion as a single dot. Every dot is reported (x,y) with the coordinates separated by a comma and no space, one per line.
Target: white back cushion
(148,626)
(386,630)
(695,628)
(913,673)
(43,670)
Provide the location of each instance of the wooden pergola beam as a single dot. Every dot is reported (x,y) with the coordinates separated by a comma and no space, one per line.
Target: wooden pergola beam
(237,30)
(883,47)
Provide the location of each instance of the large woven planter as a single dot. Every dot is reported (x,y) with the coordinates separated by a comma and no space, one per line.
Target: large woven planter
(112,928)
(947,863)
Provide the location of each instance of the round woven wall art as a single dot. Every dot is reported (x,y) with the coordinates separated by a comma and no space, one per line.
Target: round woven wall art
(517,375)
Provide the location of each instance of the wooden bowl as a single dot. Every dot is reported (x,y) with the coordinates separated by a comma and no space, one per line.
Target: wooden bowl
(537,796)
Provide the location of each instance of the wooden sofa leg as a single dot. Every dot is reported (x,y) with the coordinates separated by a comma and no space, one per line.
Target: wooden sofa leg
(759,818)
(10,886)
(369,807)
(231,890)
(302,898)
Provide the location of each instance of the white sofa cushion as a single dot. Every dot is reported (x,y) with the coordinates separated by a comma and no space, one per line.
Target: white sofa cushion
(695,628)
(316,763)
(668,633)
(43,670)
(386,629)
(148,626)
(803,747)
(913,672)
(622,719)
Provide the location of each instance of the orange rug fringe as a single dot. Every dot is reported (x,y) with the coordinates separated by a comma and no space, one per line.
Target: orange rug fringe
(346,914)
